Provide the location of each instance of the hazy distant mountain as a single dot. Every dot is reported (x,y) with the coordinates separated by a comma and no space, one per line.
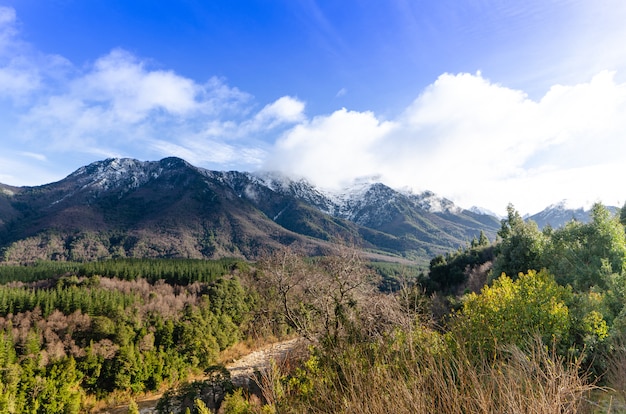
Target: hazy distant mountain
(557,215)
(169,208)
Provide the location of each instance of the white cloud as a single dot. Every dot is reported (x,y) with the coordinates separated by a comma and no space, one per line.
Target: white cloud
(120,82)
(477,142)
(331,149)
(117,105)
(7,26)
(118,102)
(16,81)
(284,110)
(34,155)
(17,75)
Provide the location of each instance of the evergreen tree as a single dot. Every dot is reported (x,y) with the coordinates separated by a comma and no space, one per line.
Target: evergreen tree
(482,239)
(584,255)
(521,246)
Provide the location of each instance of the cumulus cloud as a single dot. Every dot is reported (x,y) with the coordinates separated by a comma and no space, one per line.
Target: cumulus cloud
(118,98)
(332,149)
(121,82)
(475,141)
(283,112)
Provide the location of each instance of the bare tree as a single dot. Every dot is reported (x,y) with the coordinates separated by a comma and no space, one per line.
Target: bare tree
(322,298)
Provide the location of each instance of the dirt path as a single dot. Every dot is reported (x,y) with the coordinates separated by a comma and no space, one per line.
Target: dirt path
(241,371)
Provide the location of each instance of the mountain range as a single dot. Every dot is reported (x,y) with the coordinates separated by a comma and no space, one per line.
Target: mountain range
(170,208)
(557,215)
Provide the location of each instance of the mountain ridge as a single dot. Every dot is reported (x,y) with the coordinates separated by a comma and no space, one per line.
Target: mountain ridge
(122,207)
(558,214)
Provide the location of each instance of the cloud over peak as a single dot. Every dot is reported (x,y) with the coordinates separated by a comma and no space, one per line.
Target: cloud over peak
(473,140)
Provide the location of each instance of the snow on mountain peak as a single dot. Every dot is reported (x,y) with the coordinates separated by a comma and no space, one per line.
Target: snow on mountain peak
(274,180)
(433,203)
(484,211)
(345,201)
(567,204)
(114,173)
(564,204)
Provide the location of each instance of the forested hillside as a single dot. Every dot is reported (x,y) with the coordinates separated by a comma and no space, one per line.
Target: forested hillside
(534,322)
(74,333)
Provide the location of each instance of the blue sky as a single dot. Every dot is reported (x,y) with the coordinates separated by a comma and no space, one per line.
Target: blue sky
(485,102)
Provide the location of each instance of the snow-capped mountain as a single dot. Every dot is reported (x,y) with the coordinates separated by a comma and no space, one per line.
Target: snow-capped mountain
(557,215)
(349,201)
(115,173)
(373,205)
(125,207)
(483,211)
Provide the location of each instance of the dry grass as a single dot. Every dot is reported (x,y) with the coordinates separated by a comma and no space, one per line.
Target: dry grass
(616,377)
(535,382)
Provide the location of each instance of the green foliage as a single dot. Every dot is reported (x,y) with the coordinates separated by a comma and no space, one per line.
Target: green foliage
(133,408)
(483,240)
(235,403)
(172,271)
(589,258)
(521,246)
(511,312)
(582,255)
(65,299)
(201,407)
(448,272)
(585,255)
(394,275)
(83,333)
(40,270)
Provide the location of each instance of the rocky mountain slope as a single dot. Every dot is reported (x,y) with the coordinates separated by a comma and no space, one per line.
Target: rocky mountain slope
(169,208)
